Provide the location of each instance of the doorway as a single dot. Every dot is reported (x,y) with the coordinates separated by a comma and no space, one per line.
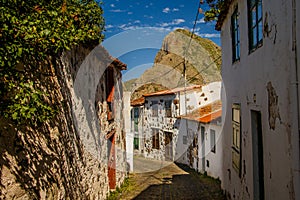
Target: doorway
(111,161)
(203,148)
(168,146)
(257,156)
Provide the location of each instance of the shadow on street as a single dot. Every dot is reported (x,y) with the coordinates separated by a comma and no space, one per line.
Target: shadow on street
(171,181)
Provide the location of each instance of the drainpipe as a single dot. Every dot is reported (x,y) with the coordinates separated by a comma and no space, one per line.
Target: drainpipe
(296,173)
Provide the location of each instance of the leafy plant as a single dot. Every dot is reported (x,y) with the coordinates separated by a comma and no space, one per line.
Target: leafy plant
(216,8)
(32,33)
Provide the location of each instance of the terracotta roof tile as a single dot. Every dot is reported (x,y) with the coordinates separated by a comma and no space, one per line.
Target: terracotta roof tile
(206,113)
(138,102)
(173,91)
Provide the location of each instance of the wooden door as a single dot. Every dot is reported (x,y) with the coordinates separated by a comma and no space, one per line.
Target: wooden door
(111,162)
(258,159)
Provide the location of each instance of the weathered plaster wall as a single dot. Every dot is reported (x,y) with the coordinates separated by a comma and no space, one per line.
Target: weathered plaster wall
(161,123)
(65,158)
(214,159)
(262,81)
(193,98)
(187,130)
(127,127)
(194,155)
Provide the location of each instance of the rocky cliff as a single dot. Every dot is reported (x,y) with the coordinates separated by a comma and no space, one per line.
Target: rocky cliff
(201,57)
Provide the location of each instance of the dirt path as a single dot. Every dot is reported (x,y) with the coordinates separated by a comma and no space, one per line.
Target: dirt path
(171,182)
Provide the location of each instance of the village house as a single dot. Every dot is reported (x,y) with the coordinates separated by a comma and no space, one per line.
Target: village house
(261,99)
(155,118)
(137,110)
(199,139)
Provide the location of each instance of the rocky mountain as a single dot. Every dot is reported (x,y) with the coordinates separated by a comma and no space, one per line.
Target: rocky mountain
(199,56)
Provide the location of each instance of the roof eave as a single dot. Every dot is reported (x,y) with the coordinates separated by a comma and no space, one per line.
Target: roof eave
(223,14)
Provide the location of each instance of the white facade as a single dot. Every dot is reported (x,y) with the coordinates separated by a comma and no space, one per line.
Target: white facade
(199,145)
(261,87)
(158,121)
(129,134)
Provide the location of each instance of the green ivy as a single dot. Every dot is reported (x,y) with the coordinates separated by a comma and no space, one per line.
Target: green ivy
(32,32)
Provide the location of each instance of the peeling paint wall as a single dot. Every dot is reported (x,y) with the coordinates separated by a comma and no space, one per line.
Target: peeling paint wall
(181,104)
(273,108)
(262,80)
(160,122)
(65,158)
(192,151)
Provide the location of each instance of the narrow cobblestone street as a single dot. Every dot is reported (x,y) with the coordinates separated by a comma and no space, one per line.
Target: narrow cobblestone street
(169,181)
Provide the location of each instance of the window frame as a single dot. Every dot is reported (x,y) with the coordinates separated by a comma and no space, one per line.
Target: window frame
(155,139)
(254,30)
(236,138)
(235,36)
(136,116)
(168,108)
(154,108)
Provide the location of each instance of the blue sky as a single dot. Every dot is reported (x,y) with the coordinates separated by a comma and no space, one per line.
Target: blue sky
(135,29)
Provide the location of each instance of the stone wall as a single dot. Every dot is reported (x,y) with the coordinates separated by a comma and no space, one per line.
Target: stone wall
(65,158)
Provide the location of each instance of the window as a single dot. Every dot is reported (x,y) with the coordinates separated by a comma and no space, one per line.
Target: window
(155,139)
(235,34)
(168,109)
(136,115)
(236,137)
(136,143)
(154,108)
(213,140)
(255,24)
(110,90)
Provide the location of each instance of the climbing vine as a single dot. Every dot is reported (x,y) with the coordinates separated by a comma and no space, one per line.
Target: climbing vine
(32,33)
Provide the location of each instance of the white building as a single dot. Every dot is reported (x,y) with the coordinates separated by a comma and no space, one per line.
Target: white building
(260,99)
(137,111)
(199,143)
(160,114)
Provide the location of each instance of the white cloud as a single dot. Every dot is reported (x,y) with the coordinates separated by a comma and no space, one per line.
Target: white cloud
(122,26)
(177,27)
(117,11)
(174,22)
(108,26)
(210,35)
(201,21)
(166,10)
(130,13)
(137,21)
(149,17)
(112,5)
(164,24)
(177,21)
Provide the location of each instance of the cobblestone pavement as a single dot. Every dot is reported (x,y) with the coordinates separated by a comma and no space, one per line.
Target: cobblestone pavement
(170,181)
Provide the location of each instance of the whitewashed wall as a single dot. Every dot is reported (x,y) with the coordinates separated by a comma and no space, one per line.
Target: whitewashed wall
(246,82)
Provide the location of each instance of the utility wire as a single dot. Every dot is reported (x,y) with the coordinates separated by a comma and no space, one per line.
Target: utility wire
(199,72)
(185,54)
